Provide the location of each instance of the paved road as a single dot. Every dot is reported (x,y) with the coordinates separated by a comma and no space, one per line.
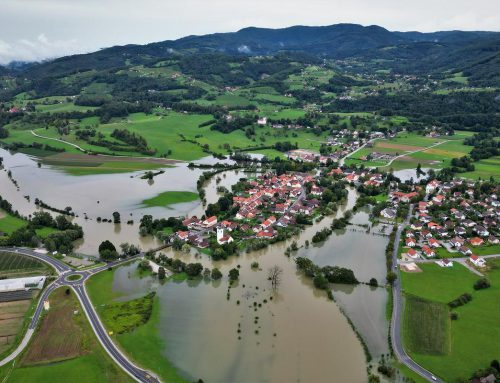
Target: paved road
(64,272)
(397,313)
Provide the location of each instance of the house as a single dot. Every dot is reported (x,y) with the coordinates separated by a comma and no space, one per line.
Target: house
(431,186)
(457,242)
(481,230)
(223,238)
(445,262)
(210,222)
(416,226)
(182,235)
(465,250)
(459,230)
(262,121)
(269,233)
(410,242)
(434,243)
(476,241)
(412,253)
(477,261)
(388,213)
(268,222)
(428,251)
(492,239)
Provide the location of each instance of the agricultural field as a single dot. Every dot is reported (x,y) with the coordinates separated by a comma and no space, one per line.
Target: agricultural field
(485,169)
(170,198)
(470,348)
(429,152)
(427,326)
(12,265)
(64,349)
(12,316)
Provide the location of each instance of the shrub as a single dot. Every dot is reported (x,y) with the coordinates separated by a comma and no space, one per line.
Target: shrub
(482,283)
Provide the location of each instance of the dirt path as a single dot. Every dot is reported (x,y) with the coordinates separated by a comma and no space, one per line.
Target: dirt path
(415,151)
(58,140)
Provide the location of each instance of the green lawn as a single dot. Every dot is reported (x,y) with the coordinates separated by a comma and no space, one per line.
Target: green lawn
(170,198)
(474,334)
(485,169)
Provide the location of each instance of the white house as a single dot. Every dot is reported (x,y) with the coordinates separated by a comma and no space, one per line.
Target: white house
(477,261)
(445,263)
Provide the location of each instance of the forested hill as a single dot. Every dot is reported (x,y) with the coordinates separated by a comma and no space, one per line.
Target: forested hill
(409,51)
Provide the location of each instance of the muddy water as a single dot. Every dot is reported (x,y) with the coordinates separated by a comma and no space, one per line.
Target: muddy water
(101,195)
(301,336)
(313,341)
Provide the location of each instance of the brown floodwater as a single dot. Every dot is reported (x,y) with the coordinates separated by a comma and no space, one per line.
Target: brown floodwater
(297,336)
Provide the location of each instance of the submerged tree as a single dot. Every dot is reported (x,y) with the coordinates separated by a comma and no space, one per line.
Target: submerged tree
(274,275)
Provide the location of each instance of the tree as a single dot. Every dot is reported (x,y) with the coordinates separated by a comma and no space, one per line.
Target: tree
(107,251)
(193,269)
(161,273)
(391,277)
(274,275)
(234,274)
(321,282)
(216,274)
(482,283)
(373,282)
(116,217)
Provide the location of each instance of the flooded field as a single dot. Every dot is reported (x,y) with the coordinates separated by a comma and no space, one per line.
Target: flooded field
(101,195)
(292,334)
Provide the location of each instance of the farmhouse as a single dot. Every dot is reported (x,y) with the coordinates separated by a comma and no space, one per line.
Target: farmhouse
(477,261)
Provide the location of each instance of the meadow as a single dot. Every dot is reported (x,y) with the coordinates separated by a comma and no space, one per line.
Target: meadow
(471,348)
(170,198)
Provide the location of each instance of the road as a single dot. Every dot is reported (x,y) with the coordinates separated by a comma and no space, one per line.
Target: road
(59,140)
(78,286)
(397,313)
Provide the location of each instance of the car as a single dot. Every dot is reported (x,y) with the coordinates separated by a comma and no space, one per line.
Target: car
(433,378)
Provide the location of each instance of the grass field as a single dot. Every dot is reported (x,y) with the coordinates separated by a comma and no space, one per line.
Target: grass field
(143,345)
(64,349)
(485,169)
(15,264)
(473,336)
(9,223)
(122,317)
(427,326)
(170,198)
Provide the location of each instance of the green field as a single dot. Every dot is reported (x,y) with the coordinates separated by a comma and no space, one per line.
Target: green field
(170,198)
(9,223)
(143,344)
(485,169)
(472,345)
(427,326)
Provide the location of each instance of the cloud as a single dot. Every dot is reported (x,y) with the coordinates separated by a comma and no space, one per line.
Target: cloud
(37,49)
(244,49)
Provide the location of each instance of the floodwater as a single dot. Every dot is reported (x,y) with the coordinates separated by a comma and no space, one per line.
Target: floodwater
(101,195)
(297,336)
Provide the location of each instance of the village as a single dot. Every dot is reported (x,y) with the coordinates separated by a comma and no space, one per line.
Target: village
(456,219)
(268,203)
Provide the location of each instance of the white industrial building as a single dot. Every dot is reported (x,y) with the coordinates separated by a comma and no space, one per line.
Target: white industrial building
(17,284)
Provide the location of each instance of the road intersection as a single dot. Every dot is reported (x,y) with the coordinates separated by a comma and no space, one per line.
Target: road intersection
(66,278)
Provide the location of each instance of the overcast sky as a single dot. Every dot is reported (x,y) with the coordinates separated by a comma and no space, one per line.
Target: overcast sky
(39,29)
